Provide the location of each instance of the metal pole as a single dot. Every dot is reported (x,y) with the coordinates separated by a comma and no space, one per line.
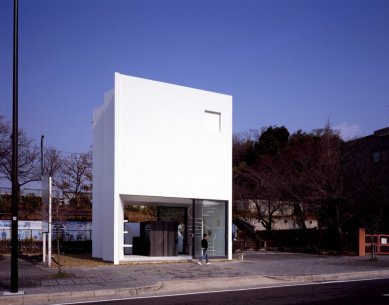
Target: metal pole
(193,229)
(49,234)
(15,182)
(43,203)
(44,247)
(42,168)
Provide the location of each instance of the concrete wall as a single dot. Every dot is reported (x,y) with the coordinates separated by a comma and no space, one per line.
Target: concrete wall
(103,179)
(157,139)
(162,146)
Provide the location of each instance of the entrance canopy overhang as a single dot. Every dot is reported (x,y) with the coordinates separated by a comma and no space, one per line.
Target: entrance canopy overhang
(161,201)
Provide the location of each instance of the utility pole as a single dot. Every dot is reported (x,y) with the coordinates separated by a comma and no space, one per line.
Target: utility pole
(42,166)
(15,155)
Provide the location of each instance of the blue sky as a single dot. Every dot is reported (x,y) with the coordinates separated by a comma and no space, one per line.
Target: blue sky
(295,63)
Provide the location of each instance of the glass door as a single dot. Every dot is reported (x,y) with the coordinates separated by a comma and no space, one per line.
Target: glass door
(210,219)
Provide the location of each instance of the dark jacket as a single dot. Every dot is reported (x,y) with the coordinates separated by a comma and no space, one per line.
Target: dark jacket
(204,243)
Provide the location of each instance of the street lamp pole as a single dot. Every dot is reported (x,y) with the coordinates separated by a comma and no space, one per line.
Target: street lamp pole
(42,167)
(15,154)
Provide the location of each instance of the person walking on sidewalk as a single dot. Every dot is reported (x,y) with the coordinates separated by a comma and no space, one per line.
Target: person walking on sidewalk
(204,246)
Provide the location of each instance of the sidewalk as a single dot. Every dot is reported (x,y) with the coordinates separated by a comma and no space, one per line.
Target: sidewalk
(42,285)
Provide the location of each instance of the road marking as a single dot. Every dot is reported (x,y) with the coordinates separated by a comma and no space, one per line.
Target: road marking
(221,291)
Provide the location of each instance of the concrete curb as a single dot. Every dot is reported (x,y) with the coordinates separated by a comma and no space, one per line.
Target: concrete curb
(220,283)
(332,277)
(77,296)
(225,283)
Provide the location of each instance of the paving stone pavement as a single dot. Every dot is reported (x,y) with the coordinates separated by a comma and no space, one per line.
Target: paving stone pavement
(108,280)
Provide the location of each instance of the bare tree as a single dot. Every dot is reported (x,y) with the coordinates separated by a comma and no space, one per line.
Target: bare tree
(242,145)
(52,162)
(298,162)
(75,176)
(5,133)
(257,173)
(29,155)
(264,181)
(316,181)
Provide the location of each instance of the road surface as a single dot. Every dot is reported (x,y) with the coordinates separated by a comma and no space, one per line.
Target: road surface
(368,292)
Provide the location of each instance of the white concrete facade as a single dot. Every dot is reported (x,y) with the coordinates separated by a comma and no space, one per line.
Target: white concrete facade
(153,139)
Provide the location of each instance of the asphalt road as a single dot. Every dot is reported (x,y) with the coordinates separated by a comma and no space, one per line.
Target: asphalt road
(372,292)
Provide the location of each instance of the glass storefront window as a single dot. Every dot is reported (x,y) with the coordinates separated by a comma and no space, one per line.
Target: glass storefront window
(211,220)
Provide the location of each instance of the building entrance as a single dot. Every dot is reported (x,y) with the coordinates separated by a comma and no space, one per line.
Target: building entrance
(175,228)
(210,218)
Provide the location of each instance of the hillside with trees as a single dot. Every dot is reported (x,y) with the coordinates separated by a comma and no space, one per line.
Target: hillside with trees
(314,174)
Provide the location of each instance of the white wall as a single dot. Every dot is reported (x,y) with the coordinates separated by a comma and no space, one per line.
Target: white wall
(97,195)
(103,180)
(163,145)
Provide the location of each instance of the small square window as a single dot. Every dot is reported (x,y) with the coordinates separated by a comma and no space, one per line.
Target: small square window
(212,121)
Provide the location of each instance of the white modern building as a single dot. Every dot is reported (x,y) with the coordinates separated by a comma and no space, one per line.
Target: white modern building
(166,149)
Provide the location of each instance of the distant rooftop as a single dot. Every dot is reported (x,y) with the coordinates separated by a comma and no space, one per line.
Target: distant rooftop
(382,132)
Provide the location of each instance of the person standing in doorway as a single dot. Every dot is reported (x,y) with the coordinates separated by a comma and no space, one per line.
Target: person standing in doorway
(204,246)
